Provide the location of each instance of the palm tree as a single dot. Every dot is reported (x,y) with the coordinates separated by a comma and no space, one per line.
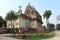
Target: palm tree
(47,15)
(11,16)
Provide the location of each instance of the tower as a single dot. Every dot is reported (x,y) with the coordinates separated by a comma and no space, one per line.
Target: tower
(19,11)
(28,10)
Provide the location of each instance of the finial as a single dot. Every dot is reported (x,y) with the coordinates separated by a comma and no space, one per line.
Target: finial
(29,3)
(19,11)
(20,7)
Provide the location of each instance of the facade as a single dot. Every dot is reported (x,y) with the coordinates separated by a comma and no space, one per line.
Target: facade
(30,18)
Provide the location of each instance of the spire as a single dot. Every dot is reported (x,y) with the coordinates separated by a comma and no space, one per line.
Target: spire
(33,8)
(20,11)
(28,9)
(28,4)
(20,7)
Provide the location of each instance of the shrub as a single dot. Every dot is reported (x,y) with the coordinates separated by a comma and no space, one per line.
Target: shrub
(7,31)
(39,30)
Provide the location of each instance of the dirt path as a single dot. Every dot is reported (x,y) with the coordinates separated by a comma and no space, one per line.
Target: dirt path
(2,37)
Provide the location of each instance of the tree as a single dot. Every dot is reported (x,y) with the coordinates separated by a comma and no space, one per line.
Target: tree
(44,28)
(47,15)
(2,22)
(11,16)
(51,26)
(58,26)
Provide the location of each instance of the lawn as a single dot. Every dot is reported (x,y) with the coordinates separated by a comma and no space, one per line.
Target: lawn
(35,36)
(43,36)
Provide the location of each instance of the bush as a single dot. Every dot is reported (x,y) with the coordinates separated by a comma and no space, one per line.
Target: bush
(7,31)
(39,30)
(51,27)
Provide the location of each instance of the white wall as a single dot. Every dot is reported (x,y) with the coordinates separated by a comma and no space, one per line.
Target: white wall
(33,24)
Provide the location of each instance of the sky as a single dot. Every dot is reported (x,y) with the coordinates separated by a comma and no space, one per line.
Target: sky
(40,6)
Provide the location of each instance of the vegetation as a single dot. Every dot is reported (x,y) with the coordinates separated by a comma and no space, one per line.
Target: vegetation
(35,36)
(2,22)
(51,26)
(47,15)
(43,35)
(44,27)
(7,31)
(11,16)
(58,26)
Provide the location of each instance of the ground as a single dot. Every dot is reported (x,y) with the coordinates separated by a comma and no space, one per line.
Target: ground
(2,37)
(56,37)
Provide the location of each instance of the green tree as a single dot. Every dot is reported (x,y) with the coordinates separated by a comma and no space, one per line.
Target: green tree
(51,26)
(58,26)
(2,22)
(47,15)
(11,16)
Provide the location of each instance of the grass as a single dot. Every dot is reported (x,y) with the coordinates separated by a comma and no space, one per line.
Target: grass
(36,36)
(43,36)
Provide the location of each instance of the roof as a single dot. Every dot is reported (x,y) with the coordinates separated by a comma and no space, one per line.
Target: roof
(27,13)
(30,8)
(39,20)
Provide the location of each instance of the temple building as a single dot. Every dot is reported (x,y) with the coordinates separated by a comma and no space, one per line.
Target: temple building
(30,18)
